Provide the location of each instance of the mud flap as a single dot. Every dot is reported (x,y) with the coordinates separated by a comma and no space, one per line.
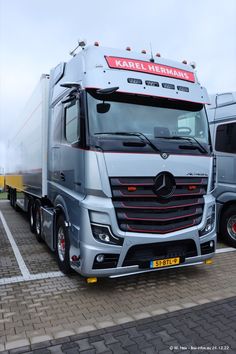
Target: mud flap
(48,226)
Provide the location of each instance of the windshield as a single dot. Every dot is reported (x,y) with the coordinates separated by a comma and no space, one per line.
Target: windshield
(155,118)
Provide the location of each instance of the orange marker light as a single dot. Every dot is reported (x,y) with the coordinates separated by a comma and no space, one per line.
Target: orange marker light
(132,189)
(192,188)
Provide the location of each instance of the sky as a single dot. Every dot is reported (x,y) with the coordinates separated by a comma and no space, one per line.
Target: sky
(35,35)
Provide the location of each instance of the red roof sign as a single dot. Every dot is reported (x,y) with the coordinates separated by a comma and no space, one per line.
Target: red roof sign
(149,68)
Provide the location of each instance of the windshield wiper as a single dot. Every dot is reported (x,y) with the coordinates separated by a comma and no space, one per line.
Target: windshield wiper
(200,147)
(141,136)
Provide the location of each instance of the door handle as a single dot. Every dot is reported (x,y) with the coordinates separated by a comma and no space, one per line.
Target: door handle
(62,176)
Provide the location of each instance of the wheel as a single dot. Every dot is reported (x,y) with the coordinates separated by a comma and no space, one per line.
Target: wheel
(228,226)
(11,196)
(31,211)
(38,221)
(14,200)
(62,245)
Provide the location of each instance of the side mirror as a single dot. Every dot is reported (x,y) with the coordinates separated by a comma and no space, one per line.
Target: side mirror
(70,97)
(103,107)
(70,85)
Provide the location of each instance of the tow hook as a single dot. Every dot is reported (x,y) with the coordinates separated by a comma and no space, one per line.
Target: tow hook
(91,280)
(208,261)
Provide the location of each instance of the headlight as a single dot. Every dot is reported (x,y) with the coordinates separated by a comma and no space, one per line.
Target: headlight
(210,223)
(102,233)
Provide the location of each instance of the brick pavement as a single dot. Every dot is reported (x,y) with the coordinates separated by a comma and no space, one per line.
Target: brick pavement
(209,328)
(37,256)
(51,307)
(8,263)
(47,309)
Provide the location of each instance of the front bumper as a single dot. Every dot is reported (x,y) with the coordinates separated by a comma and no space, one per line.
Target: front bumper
(103,212)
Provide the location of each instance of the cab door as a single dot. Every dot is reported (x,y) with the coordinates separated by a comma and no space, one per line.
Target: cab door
(72,157)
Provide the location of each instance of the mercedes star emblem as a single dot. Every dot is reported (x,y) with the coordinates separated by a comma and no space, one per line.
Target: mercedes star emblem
(164,185)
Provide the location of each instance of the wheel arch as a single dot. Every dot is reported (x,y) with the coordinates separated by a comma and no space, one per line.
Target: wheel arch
(226,206)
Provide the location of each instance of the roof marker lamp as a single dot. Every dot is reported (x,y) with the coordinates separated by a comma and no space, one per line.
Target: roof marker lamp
(193,64)
(103,233)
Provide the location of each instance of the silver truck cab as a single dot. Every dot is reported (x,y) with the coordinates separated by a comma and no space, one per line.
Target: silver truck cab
(222,119)
(117,164)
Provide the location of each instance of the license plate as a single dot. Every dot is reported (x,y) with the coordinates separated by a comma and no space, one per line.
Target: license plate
(165,262)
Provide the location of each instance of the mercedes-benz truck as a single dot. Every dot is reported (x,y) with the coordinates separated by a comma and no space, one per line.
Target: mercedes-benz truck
(113,163)
(222,118)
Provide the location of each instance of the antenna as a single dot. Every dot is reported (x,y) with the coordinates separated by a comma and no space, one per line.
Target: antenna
(81,43)
(152,58)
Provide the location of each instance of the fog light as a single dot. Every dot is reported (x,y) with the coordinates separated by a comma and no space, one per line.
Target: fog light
(100,258)
(104,237)
(211,244)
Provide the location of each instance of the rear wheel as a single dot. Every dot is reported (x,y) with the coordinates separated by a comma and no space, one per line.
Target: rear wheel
(62,245)
(11,196)
(228,226)
(32,216)
(38,221)
(14,200)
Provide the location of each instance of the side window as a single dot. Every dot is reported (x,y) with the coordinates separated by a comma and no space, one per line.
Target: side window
(72,126)
(225,138)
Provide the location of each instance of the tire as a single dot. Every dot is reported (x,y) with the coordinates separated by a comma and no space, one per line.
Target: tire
(14,200)
(62,245)
(228,226)
(31,211)
(38,221)
(11,197)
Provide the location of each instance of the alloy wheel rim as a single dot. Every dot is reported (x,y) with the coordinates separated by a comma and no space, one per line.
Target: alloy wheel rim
(38,223)
(31,216)
(231,226)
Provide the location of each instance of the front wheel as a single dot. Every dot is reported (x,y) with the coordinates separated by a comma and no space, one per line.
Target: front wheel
(228,226)
(62,245)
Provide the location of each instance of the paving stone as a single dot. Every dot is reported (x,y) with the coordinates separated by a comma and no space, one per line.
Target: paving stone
(39,339)
(63,334)
(20,350)
(17,343)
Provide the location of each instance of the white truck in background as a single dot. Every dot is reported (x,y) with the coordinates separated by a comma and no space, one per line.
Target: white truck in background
(222,119)
(114,164)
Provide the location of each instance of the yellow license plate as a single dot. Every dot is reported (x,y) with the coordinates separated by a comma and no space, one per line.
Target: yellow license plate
(165,262)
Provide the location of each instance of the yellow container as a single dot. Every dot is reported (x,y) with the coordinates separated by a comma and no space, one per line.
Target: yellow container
(14,181)
(2,183)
